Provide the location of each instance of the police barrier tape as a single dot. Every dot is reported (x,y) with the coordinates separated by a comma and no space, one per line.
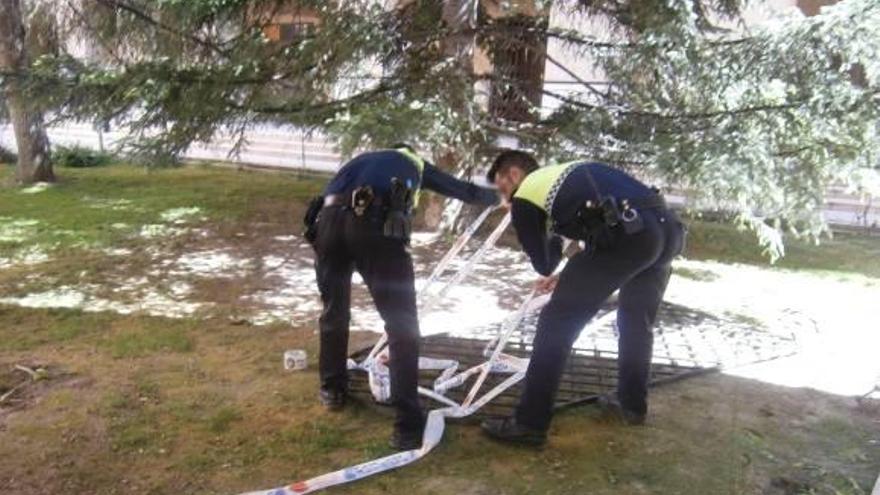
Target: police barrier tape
(380,383)
(456,248)
(471,262)
(436,421)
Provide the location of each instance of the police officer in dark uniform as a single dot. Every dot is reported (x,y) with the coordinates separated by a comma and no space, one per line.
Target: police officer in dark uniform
(631,238)
(362,222)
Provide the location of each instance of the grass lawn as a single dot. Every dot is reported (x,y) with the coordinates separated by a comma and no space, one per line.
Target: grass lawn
(131,403)
(842,253)
(84,207)
(86,203)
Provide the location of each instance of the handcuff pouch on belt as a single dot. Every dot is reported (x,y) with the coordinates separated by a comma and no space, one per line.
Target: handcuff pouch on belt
(398,218)
(593,223)
(310,219)
(630,219)
(621,213)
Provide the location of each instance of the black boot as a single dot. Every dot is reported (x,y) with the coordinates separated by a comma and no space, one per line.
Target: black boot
(406,440)
(612,408)
(507,430)
(333,400)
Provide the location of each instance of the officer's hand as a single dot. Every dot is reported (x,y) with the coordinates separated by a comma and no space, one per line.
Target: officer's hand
(545,285)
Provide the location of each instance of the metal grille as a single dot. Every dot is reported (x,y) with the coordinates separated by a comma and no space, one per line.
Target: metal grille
(687,342)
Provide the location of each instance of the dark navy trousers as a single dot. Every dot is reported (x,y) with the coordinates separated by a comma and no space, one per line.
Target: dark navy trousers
(345,243)
(639,265)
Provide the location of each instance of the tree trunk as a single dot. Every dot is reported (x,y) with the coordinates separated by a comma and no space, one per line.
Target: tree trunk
(432,204)
(34,163)
(458,14)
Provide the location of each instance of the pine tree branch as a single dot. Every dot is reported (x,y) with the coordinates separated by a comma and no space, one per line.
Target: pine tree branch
(586,84)
(85,21)
(361,97)
(147,18)
(675,116)
(576,77)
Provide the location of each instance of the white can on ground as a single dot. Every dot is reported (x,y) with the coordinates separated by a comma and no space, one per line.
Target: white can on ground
(295,360)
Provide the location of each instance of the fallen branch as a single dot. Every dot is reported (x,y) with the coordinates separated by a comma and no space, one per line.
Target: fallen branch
(33,374)
(870,393)
(11,391)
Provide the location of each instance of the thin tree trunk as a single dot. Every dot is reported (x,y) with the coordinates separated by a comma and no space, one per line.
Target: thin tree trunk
(34,163)
(459,14)
(432,204)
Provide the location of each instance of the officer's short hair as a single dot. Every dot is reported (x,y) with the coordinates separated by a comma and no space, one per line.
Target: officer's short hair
(406,146)
(511,158)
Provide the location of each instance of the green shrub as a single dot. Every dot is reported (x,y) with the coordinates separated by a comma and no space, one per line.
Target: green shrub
(80,157)
(153,158)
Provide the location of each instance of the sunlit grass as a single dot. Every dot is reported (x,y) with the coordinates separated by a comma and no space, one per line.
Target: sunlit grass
(844,252)
(106,205)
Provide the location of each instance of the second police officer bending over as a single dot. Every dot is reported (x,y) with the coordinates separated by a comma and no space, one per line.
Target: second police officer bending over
(631,239)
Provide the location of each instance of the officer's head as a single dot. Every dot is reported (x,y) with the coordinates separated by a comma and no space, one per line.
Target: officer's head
(403,146)
(509,169)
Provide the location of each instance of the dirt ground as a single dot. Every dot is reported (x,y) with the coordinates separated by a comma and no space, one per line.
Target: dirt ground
(209,409)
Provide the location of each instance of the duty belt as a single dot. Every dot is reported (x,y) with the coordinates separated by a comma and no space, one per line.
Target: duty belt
(345,200)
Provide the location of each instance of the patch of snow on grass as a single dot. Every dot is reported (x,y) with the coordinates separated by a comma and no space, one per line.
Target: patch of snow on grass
(158,230)
(151,302)
(423,238)
(36,188)
(173,219)
(117,251)
(211,264)
(158,304)
(32,255)
(466,306)
(17,229)
(180,289)
(117,204)
(62,297)
(180,215)
(294,296)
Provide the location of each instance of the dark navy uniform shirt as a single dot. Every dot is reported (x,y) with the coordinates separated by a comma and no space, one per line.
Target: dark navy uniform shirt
(531,222)
(377,168)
